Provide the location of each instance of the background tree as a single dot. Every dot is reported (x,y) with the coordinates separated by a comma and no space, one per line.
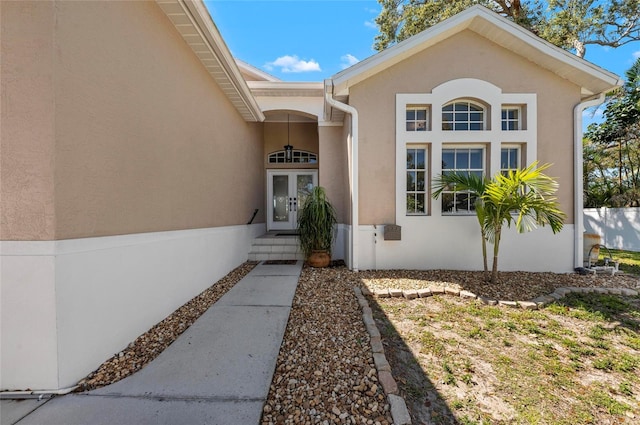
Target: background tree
(574,24)
(570,24)
(612,149)
(400,19)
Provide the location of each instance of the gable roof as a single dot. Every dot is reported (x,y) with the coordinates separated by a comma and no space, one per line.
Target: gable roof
(193,22)
(251,73)
(592,79)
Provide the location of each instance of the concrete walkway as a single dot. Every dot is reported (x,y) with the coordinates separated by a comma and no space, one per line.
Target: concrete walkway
(217,372)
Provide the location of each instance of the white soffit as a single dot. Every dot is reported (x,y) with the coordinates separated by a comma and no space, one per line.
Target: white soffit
(591,78)
(285,89)
(193,22)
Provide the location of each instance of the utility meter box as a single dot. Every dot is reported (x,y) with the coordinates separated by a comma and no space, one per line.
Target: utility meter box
(392,232)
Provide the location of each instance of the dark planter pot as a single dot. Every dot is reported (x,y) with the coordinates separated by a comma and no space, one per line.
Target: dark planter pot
(319,259)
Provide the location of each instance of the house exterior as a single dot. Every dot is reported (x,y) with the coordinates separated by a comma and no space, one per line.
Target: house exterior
(135,150)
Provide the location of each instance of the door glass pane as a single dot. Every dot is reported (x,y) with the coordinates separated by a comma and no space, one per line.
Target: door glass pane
(280,198)
(304,186)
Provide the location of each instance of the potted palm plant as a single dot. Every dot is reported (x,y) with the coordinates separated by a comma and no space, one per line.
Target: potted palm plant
(316,221)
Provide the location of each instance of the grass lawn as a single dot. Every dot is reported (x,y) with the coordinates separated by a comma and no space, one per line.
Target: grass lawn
(463,362)
(629,260)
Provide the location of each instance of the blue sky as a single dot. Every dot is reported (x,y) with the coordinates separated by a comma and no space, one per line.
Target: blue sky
(310,40)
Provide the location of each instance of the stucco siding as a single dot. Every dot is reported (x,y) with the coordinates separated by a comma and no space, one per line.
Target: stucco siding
(465,55)
(27,116)
(333,173)
(302,136)
(143,139)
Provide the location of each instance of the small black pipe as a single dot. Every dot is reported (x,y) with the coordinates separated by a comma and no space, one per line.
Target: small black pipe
(255,212)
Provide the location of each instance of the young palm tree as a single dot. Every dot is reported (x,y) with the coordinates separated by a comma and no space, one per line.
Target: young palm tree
(524,197)
(476,187)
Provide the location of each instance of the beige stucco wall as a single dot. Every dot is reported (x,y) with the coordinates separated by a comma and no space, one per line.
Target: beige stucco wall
(302,136)
(333,173)
(465,55)
(27,209)
(143,139)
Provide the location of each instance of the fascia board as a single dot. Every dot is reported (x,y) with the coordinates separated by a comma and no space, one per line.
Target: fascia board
(470,19)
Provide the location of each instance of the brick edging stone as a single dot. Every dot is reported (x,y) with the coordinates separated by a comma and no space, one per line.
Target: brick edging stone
(399,411)
(534,304)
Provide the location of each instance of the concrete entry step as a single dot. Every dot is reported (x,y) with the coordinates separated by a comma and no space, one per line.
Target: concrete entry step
(276,245)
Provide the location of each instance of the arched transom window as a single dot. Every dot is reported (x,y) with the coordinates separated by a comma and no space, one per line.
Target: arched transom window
(463,116)
(297,156)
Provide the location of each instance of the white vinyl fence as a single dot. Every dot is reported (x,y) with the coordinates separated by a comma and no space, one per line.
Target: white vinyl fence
(619,228)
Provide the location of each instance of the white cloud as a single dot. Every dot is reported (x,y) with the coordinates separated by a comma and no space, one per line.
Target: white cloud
(348,60)
(293,63)
(636,55)
(371,24)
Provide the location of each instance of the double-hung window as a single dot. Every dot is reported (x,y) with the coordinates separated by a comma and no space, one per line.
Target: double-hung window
(416,181)
(466,161)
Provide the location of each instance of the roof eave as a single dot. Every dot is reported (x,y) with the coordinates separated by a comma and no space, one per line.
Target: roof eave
(193,22)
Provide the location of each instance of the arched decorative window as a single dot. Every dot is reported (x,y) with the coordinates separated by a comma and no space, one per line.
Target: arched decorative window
(297,156)
(463,116)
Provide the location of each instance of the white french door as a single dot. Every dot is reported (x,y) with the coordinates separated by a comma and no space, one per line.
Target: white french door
(287,191)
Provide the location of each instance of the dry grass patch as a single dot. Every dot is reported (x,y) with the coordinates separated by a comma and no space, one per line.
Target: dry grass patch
(462,362)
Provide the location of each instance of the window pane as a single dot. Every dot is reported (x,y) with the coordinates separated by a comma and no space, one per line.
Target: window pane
(476,126)
(411,203)
(421,114)
(476,158)
(447,202)
(411,180)
(504,114)
(411,159)
(461,116)
(504,158)
(447,116)
(420,159)
(447,108)
(462,159)
(461,107)
(420,204)
(513,158)
(419,181)
(448,161)
(461,126)
(474,107)
(475,116)
(411,126)
(504,125)
(411,115)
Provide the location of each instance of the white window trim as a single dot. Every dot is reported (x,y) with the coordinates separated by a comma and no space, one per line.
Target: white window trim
(465,88)
(511,108)
(427,180)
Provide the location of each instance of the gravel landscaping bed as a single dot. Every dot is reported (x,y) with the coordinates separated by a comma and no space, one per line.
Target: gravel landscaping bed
(150,344)
(325,373)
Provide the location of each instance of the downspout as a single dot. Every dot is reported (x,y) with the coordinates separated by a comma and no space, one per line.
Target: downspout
(578,196)
(354,173)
